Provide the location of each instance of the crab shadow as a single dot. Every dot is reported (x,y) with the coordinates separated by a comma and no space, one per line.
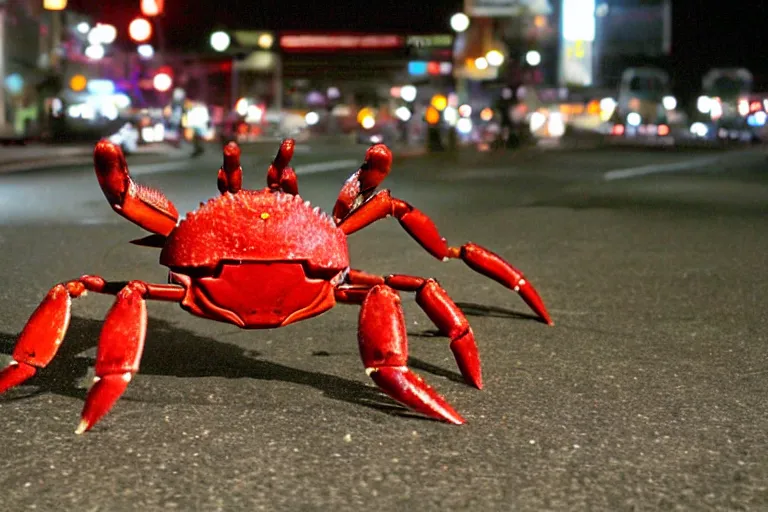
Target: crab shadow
(174,352)
(473,309)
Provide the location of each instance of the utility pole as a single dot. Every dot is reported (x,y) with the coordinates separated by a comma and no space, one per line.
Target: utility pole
(3,127)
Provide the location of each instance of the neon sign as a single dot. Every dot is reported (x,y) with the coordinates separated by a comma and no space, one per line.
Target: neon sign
(340,42)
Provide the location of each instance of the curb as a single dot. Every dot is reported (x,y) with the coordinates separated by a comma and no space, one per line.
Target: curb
(49,163)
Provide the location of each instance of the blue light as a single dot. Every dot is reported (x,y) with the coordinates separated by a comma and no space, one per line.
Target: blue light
(757,119)
(14,83)
(417,67)
(101,86)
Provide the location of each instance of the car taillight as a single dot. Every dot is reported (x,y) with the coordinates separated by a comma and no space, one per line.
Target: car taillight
(618,129)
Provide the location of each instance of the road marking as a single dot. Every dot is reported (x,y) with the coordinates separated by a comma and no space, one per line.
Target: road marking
(631,172)
(333,165)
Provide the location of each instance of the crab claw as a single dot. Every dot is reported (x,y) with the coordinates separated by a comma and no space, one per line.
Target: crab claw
(230,178)
(384,350)
(279,175)
(41,337)
(363,182)
(284,154)
(144,206)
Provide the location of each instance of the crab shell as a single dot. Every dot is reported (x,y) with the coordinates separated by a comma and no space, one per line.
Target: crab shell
(257,259)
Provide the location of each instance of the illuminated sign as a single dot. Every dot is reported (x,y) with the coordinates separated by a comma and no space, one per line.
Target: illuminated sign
(430,41)
(253,38)
(417,67)
(492,8)
(257,61)
(578,20)
(305,42)
(576,63)
(420,67)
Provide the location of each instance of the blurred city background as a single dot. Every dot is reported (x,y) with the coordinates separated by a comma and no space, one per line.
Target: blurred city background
(440,75)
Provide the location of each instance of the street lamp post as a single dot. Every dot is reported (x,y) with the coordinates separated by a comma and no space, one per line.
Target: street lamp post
(459,24)
(220,42)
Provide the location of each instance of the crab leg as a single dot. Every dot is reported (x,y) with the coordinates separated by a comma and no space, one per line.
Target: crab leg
(142,205)
(424,231)
(42,336)
(118,354)
(279,175)
(384,350)
(438,306)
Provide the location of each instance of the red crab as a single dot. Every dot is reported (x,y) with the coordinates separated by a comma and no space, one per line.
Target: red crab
(263,259)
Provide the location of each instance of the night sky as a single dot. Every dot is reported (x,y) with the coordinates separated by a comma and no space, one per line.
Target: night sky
(706,33)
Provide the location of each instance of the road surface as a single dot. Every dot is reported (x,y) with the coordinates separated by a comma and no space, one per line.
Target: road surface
(649,393)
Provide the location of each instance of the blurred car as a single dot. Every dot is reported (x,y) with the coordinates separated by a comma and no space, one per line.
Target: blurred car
(724,106)
(388,133)
(757,119)
(127,137)
(645,107)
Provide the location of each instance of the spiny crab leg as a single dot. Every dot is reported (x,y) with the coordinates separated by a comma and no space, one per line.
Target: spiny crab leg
(230,178)
(120,343)
(142,205)
(279,175)
(424,231)
(384,350)
(438,306)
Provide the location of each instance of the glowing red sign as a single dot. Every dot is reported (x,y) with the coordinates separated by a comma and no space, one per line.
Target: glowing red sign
(340,42)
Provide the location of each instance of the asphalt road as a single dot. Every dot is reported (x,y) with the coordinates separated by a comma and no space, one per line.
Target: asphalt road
(649,393)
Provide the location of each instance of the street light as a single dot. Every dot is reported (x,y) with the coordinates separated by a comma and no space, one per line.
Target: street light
(140,30)
(533,58)
(146,51)
(54,5)
(408,93)
(494,58)
(95,52)
(266,41)
(220,41)
(459,22)
(162,81)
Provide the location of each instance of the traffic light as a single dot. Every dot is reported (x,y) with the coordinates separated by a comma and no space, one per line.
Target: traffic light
(152,7)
